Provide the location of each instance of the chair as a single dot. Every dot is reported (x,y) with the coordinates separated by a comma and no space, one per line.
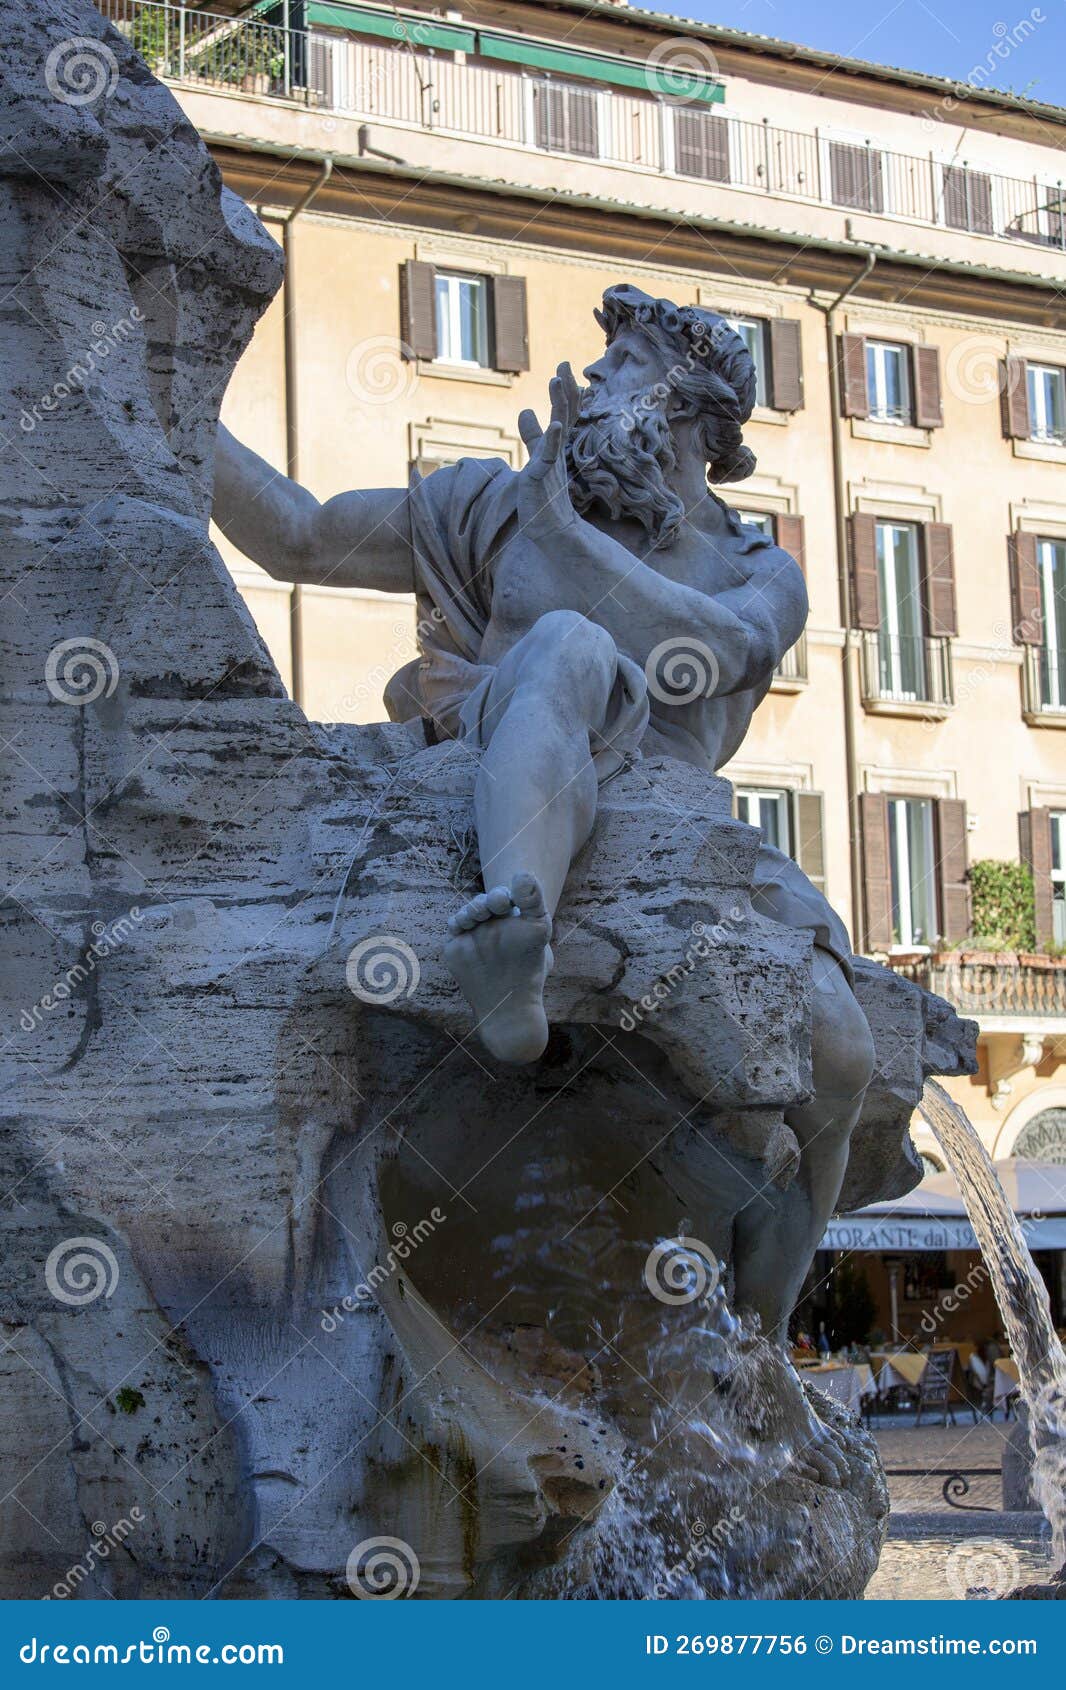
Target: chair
(935,1386)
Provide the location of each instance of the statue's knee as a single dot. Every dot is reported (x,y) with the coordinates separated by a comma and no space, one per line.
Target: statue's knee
(571,648)
(842,1045)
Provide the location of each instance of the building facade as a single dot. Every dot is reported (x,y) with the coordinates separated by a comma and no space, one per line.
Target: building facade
(456,188)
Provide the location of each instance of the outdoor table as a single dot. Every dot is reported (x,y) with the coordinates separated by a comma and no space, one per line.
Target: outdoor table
(1006,1381)
(899,1368)
(842,1382)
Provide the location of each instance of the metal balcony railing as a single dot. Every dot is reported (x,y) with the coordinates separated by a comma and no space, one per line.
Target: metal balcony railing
(793,666)
(900,670)
(1045,681)
(403,83)
(1001,985)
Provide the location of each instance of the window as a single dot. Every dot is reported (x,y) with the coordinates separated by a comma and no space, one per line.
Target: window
(912,862)
(856,177)
(1047,402)
(767,810)
(566,118)
(1058,876)
(888,382)
(1051,562)
(462,305)
(901,643)
(752,331)
(967,199)
(762,520)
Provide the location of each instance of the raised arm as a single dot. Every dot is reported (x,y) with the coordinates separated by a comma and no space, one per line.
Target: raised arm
(353,540)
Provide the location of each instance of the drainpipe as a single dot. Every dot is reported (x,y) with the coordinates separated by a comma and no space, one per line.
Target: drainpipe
(858,913)
(292,428)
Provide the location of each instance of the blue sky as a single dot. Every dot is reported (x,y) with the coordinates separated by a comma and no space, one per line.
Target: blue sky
(945,37)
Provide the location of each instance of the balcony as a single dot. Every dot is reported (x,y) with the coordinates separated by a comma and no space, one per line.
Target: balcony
(468,94)
(904,676)
(1044,686)
(992,984)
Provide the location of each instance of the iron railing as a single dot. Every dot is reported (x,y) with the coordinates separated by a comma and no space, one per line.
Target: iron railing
(1045,681)
(898,669)
(400,82)
(1004,984)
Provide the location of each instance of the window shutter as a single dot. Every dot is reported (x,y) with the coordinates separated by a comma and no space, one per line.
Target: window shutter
(808,836)
(789,535)
(928,409)
(511,322)
(418,310)
(786,364)
(938,580)
(877,870)
(549,111)
(967,199)
(1026,605)
(865,586)
(856,176)
(953,887)
(1014,399)
(701,144)
(854,399)
(1034,827)
(320,68)
(582,110)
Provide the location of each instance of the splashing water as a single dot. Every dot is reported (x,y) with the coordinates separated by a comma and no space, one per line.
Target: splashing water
(1022,1298)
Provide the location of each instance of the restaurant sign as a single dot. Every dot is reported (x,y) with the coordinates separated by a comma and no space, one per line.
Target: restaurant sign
(906,1237)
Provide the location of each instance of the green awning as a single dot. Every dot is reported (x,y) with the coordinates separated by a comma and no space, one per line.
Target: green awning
(569,62)
(420,31)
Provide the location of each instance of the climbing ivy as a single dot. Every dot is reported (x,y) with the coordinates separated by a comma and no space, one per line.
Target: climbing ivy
(1004,917)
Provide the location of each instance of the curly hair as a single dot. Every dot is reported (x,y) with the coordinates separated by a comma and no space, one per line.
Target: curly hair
(712,380)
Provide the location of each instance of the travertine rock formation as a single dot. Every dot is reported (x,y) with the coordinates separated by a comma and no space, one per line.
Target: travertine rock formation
(290,1264)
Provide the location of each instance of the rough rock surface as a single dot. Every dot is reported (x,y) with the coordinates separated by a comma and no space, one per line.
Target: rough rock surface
(291,1263)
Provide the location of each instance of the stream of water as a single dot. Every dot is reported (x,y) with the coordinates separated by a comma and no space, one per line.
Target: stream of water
(1022,1298)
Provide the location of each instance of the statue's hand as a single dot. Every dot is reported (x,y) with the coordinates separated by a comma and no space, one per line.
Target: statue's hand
(545,511)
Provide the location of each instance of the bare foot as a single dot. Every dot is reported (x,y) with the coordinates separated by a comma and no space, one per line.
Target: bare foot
(499,954)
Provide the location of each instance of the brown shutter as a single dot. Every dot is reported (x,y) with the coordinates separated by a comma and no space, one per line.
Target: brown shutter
(877,870)
(928,410)
(582,112)
(808,836)
(789,535)
(967,199)
(1026,605)
(952,885)
(549,114)
(854,399)
(320,68)
(865,586)
(856,177)
(1034,827)
(1014,399)
(701,144)
(511,323)
(418,310)
(938,580)
(786,364)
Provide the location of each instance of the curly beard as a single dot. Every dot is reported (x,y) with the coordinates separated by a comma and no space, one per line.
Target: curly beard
(618,461)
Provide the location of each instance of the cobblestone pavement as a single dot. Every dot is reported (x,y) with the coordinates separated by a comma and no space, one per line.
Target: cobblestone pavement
(902,1444)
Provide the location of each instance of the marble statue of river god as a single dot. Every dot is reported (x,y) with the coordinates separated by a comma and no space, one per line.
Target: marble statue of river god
(600,604)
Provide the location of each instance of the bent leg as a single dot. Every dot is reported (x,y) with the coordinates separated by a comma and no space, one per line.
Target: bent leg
(534,803)
(778,1233)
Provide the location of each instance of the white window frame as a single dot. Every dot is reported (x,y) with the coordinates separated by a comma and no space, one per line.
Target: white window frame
(1057,820)
(880,350)
(1053,695)
(762,520)
(1039,428)
(780,799)
(454,281)
(903,879)
(760,356)
(891,626)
